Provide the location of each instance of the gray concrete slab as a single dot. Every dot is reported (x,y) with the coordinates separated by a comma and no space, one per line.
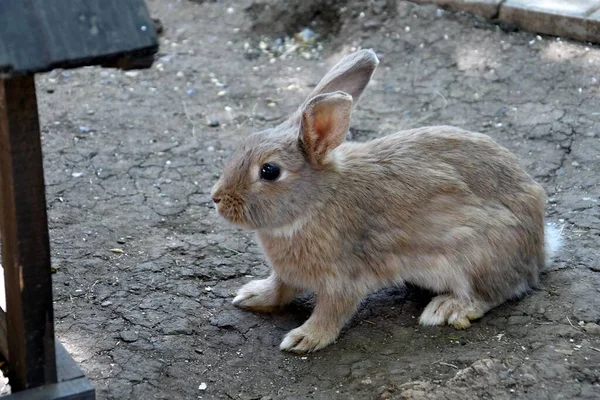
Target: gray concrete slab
(572,19)
(575,19)
(486,8)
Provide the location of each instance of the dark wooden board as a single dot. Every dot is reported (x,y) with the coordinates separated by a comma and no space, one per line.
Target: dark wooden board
(66,368)
(3,342)
(40,35)
(25,243)
(75,389)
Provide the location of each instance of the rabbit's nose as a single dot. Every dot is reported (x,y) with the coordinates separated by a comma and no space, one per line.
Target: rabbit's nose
(216,199)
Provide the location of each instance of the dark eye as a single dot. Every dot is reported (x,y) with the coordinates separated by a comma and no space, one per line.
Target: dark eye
(269,172)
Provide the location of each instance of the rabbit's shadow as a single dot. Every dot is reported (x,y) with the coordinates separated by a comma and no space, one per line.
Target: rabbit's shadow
(397,303)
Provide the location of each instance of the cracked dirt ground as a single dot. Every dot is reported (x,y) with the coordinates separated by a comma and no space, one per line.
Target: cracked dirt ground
(130,160)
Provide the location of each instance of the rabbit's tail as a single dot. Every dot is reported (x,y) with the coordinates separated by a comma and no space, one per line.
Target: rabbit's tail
(553,240)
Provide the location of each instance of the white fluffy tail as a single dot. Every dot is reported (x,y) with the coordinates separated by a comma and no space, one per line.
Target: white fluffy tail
(553,240)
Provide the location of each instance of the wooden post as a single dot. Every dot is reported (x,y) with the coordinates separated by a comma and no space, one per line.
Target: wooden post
(25,244)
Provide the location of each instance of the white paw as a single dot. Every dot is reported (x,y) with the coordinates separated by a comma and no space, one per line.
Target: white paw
(453,311)
(306,339)
(256,295)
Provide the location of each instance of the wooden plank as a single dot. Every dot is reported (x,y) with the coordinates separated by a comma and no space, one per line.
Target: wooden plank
(3,334)
(66,368)
(40,35)
(25,244)
(72,383)
(75,389)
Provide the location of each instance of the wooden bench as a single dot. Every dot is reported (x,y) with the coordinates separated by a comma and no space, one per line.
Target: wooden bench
(38,36)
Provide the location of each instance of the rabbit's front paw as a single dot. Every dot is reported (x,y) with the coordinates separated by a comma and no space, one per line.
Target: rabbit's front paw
(449,309)
(256,296)
(264,295)
(307,338)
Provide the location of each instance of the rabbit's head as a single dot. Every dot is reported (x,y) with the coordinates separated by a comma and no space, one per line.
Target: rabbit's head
(276,176)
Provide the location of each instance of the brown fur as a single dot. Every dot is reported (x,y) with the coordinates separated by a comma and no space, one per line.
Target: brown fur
(440,207)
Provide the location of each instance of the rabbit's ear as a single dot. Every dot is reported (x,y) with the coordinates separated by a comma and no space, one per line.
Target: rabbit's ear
(351,75)
(325,123)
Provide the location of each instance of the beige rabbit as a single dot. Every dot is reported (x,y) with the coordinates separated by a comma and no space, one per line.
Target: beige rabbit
(439,207)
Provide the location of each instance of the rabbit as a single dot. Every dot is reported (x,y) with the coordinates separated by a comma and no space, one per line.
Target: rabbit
(439,207)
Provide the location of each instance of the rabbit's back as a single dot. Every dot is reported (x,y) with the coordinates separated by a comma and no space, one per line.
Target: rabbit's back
(445,197)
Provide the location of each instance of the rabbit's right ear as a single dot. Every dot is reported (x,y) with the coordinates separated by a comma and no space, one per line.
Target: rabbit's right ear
(325,123)
(351,75)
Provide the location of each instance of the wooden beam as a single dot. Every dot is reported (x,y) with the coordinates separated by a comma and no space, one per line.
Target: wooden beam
(25,244)
(3,333)
(41,35)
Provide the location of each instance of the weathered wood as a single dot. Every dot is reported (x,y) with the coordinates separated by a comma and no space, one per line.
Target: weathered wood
(66,368)
(40,35)
(25,244)
(76,389)
(3,333)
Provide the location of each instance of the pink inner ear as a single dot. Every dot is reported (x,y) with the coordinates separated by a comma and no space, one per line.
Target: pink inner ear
(322,123)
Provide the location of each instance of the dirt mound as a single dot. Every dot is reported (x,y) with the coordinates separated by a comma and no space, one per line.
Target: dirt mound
(326,17)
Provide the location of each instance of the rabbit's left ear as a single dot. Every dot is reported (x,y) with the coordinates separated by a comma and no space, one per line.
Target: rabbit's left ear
(325,123)
(350,75)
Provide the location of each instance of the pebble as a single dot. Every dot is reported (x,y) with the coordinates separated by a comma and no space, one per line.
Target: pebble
(214,122)
(84,129)
(129,336)
(106,303)
(371,24)
(77,174)
(202,386)
(592,328)
(132,74)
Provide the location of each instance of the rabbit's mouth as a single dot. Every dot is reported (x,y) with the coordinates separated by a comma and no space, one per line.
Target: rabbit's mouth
(232,210)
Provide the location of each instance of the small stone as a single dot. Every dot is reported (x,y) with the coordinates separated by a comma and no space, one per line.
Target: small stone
(221,93)
(84,129)
(132,74)
(199,351)
(214,122)
(106,303)
(121,240)
(592,328)
(575,164)
(371,24)
(566,352)
(129,336)
(77,174)
(202,386)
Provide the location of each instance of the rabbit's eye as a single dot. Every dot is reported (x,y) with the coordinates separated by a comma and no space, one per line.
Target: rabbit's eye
(269,172)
